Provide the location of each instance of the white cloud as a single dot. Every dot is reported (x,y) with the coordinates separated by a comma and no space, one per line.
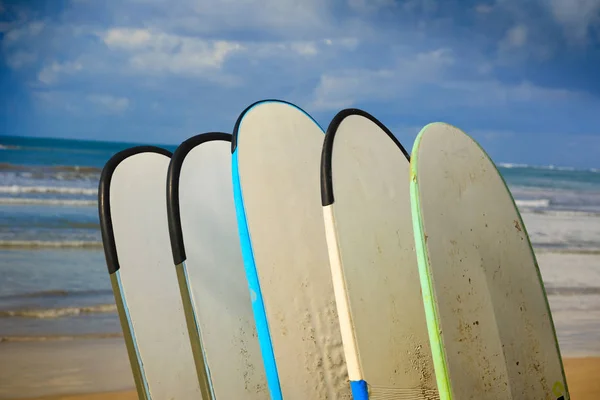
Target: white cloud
(109,103)
(193,57)
(50,73)
(516,36)
(484,8)
(420,6)
(308,49)
(576,17)
(524,42)
(71,102)
(493,93)
(429,70)
(513,48)
(305,49)
(52,100)
(157,52)
(283,18)
(29,30)
(370,5)
(20,59)
(349,43)
(343,88)
(127,38)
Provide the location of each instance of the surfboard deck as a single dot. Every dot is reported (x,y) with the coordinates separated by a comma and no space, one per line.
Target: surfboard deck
(135,236)
(367,216)
(276,152)
(208,259)
(490,326)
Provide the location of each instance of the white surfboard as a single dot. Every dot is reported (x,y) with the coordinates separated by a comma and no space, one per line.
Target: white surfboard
(491,331)
(206,251)
(135,235)
(276,151)
(367,215)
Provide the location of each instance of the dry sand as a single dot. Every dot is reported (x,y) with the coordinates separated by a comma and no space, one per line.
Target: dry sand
(583,377)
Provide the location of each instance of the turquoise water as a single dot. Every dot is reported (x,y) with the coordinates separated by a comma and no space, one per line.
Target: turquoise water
(54,277)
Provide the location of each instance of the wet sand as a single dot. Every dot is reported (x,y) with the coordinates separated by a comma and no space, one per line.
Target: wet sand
(127,395)
(33,369)
(99,370)
(582,377)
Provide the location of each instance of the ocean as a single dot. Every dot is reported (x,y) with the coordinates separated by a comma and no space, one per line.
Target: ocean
(55,283)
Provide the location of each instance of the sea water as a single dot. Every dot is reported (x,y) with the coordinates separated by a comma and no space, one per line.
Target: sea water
(54,281)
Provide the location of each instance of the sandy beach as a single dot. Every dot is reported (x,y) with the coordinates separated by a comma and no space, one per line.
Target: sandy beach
(60,335)
(96,368)
(582,378)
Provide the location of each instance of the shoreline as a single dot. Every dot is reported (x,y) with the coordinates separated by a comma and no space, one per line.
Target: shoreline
(582,378)
(67,365)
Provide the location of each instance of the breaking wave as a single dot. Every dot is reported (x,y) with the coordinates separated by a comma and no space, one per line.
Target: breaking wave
(539,203)
(47,202)
(546,167)
(57,168)
(16,189)
(31,244)
(44,338)
(46,313)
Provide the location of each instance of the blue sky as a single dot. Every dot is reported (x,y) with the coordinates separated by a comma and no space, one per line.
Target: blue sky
(522,77)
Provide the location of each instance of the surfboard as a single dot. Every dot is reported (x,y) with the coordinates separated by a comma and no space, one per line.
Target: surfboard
(491,330)
(276,150)
(135,235)
(367,216)
(210,269)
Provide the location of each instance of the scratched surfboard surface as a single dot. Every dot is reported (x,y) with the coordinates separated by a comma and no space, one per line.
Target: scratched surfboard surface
(276,152)
(491,331)
(367,215)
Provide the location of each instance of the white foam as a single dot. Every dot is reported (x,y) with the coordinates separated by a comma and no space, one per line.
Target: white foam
(47,202)
(539,203)
(59,312)
(48,244)
(550,167)
(16,189)
(512,165)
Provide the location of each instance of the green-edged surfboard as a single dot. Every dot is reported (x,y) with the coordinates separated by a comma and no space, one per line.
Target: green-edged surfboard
(133,221)
(490,327)
(367,215)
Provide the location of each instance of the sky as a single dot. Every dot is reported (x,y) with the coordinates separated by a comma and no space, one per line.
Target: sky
(521,77)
